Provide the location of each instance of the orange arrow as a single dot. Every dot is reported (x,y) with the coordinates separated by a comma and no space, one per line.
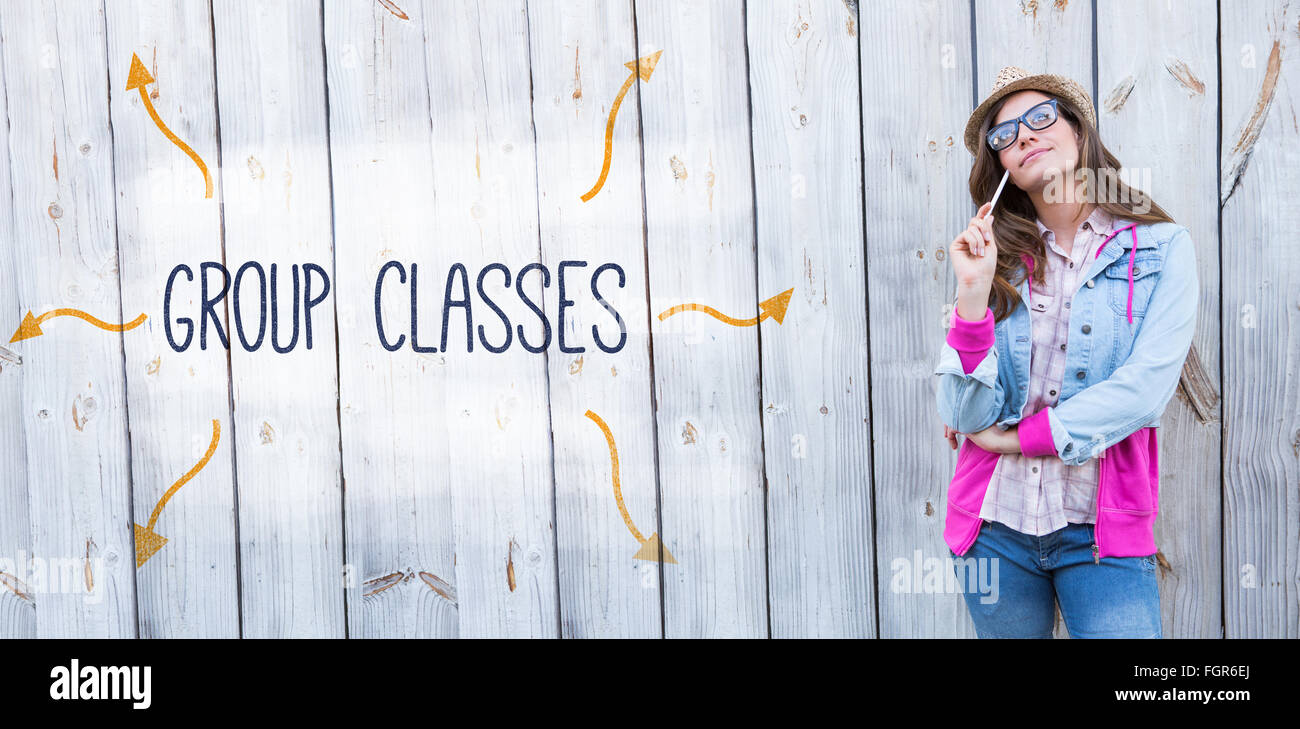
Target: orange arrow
(649,547)
(31,326)
(643,67)
(773,308)
(147,541)
(138,78)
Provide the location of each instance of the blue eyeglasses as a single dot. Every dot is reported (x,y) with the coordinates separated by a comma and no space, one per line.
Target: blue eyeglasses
(1038,118)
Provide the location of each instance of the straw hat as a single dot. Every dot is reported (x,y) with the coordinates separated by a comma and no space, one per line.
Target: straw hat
(1012,79)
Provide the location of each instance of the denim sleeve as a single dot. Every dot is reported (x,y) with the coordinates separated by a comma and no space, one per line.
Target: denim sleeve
(969,394)
(1138,390)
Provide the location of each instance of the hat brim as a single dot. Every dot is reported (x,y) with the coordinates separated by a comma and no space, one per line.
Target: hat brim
(1048,83)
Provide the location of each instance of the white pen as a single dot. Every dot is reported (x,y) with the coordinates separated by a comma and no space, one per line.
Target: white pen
(994,204)
(997,194)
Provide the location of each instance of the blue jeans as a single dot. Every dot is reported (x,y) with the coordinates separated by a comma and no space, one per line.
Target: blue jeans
(1116,598)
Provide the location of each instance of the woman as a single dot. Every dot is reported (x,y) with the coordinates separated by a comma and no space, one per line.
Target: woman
(1076,304)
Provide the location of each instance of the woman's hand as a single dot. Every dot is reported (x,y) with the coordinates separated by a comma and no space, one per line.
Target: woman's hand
(951,435)
(992,439)
(974,252)
(997,440)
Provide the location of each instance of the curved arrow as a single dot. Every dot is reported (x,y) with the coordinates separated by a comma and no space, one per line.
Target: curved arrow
(643,67)
(649,547)
(773,308)
(31,326)
(147,541)
(138,78)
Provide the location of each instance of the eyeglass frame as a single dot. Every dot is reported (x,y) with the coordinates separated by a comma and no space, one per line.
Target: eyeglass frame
(1021,119)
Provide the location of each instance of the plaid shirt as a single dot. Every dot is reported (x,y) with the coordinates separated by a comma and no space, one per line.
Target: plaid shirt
(1040,495)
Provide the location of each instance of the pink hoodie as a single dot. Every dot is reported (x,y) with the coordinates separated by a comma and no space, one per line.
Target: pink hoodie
(1128,479)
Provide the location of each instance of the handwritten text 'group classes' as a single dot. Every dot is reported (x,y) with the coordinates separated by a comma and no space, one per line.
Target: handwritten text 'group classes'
(256,291)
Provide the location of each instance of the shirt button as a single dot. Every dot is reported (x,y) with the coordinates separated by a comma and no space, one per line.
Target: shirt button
(1080,374)
(1052,393)
(1071,264)
(1062,346)
(1086,329)
(1090,284)
(1067,304)
(1035,469)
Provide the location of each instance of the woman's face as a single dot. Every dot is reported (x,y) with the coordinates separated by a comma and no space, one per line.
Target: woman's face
(1036,156)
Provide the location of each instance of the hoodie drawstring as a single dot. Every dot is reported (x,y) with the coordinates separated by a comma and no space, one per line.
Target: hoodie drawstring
(1132,228)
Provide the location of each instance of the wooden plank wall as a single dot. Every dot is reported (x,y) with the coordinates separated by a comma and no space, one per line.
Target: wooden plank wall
(165,220)
(578,52)
(271,106)
(484,199)
(915,168)
(699,200)
(17,606)
(72,466)
(1258,163)
(399,541)
(712,477)
(816,423)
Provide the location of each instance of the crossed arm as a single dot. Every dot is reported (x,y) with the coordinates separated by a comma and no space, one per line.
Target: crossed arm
(970,395)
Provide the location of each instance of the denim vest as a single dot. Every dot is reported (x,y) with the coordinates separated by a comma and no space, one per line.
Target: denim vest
(1130,327)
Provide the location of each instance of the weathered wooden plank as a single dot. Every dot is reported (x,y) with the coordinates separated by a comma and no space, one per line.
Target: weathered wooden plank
(700,245)
(1261,330)
(17,604)
(803,68)
(398,508)
(71,400)
(164,220)
(1039,37)
(578,52)
(494,410)
(271,99)
(1157,113)
(916,168)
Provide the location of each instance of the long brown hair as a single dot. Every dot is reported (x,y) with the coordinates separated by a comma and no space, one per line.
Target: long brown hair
(1014,225)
